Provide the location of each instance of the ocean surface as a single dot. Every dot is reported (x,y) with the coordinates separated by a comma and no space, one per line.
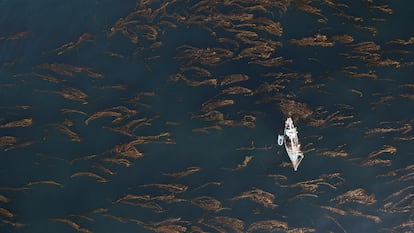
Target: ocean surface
(163,116)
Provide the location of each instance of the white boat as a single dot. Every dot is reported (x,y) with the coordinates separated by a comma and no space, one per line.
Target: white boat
(280,139)
(292,144)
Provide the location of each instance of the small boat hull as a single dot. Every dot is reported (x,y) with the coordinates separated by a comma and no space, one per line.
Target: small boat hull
(280,139)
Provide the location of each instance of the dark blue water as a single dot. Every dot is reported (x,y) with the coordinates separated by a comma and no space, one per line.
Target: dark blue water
(39,188)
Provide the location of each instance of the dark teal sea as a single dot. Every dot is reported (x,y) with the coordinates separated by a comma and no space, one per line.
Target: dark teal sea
(356,131)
